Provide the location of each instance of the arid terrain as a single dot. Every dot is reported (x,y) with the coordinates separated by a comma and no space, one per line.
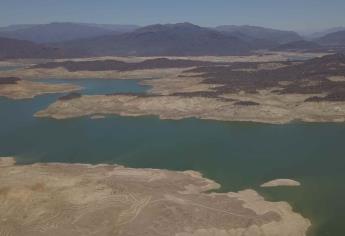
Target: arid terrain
(62,177)
(267,91)
(280,183)
(75,199)
(16,88)
(136,67)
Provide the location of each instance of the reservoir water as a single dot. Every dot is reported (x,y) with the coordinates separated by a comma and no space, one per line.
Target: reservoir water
(236,155)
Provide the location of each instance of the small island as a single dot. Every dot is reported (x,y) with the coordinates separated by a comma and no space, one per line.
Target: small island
(281,183)
(16,88)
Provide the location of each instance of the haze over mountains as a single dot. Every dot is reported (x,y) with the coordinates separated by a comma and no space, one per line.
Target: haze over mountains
(58,32)
(14,48)
(170,40)
(321,33)
(272,35)
(298,45)
(182,39)
(335,39)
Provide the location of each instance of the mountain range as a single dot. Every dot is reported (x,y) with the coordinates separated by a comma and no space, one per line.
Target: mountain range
(321,33)
(272,35)
(58,32)
(333,39)
(14,48)
(182,39)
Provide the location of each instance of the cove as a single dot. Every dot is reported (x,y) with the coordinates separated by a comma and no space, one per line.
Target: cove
(235,154)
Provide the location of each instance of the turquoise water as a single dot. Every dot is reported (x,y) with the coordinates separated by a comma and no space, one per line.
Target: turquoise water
(10,67)
(237,155)
(106,86)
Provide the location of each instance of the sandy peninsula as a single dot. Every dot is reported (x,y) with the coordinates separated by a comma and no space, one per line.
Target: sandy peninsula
(270,109)
(265,92)
(22,89)
(76,199)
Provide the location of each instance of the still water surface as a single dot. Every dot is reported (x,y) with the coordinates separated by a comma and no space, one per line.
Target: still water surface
(237,155)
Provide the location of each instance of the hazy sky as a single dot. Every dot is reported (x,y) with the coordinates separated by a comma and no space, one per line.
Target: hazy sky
(285,14)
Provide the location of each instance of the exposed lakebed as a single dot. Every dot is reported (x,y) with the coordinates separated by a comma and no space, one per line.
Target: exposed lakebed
(236,155)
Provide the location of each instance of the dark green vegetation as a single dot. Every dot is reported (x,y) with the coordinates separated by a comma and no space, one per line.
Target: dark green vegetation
(237,155)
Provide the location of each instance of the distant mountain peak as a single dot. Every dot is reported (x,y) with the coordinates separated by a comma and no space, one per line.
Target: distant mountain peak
(333,39)
(258,32)
(162,27)
(61,31)
(181,39)
(185,25)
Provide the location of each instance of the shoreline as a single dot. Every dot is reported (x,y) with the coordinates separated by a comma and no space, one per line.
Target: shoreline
(177,108)
(24,89)
(192,185)
(272,93)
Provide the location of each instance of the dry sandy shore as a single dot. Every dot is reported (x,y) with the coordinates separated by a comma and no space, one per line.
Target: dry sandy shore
(275,109)
(27,73)
(75,199)
(213,93)
(30,73)
(263,92)
(27,89)
(281,182)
